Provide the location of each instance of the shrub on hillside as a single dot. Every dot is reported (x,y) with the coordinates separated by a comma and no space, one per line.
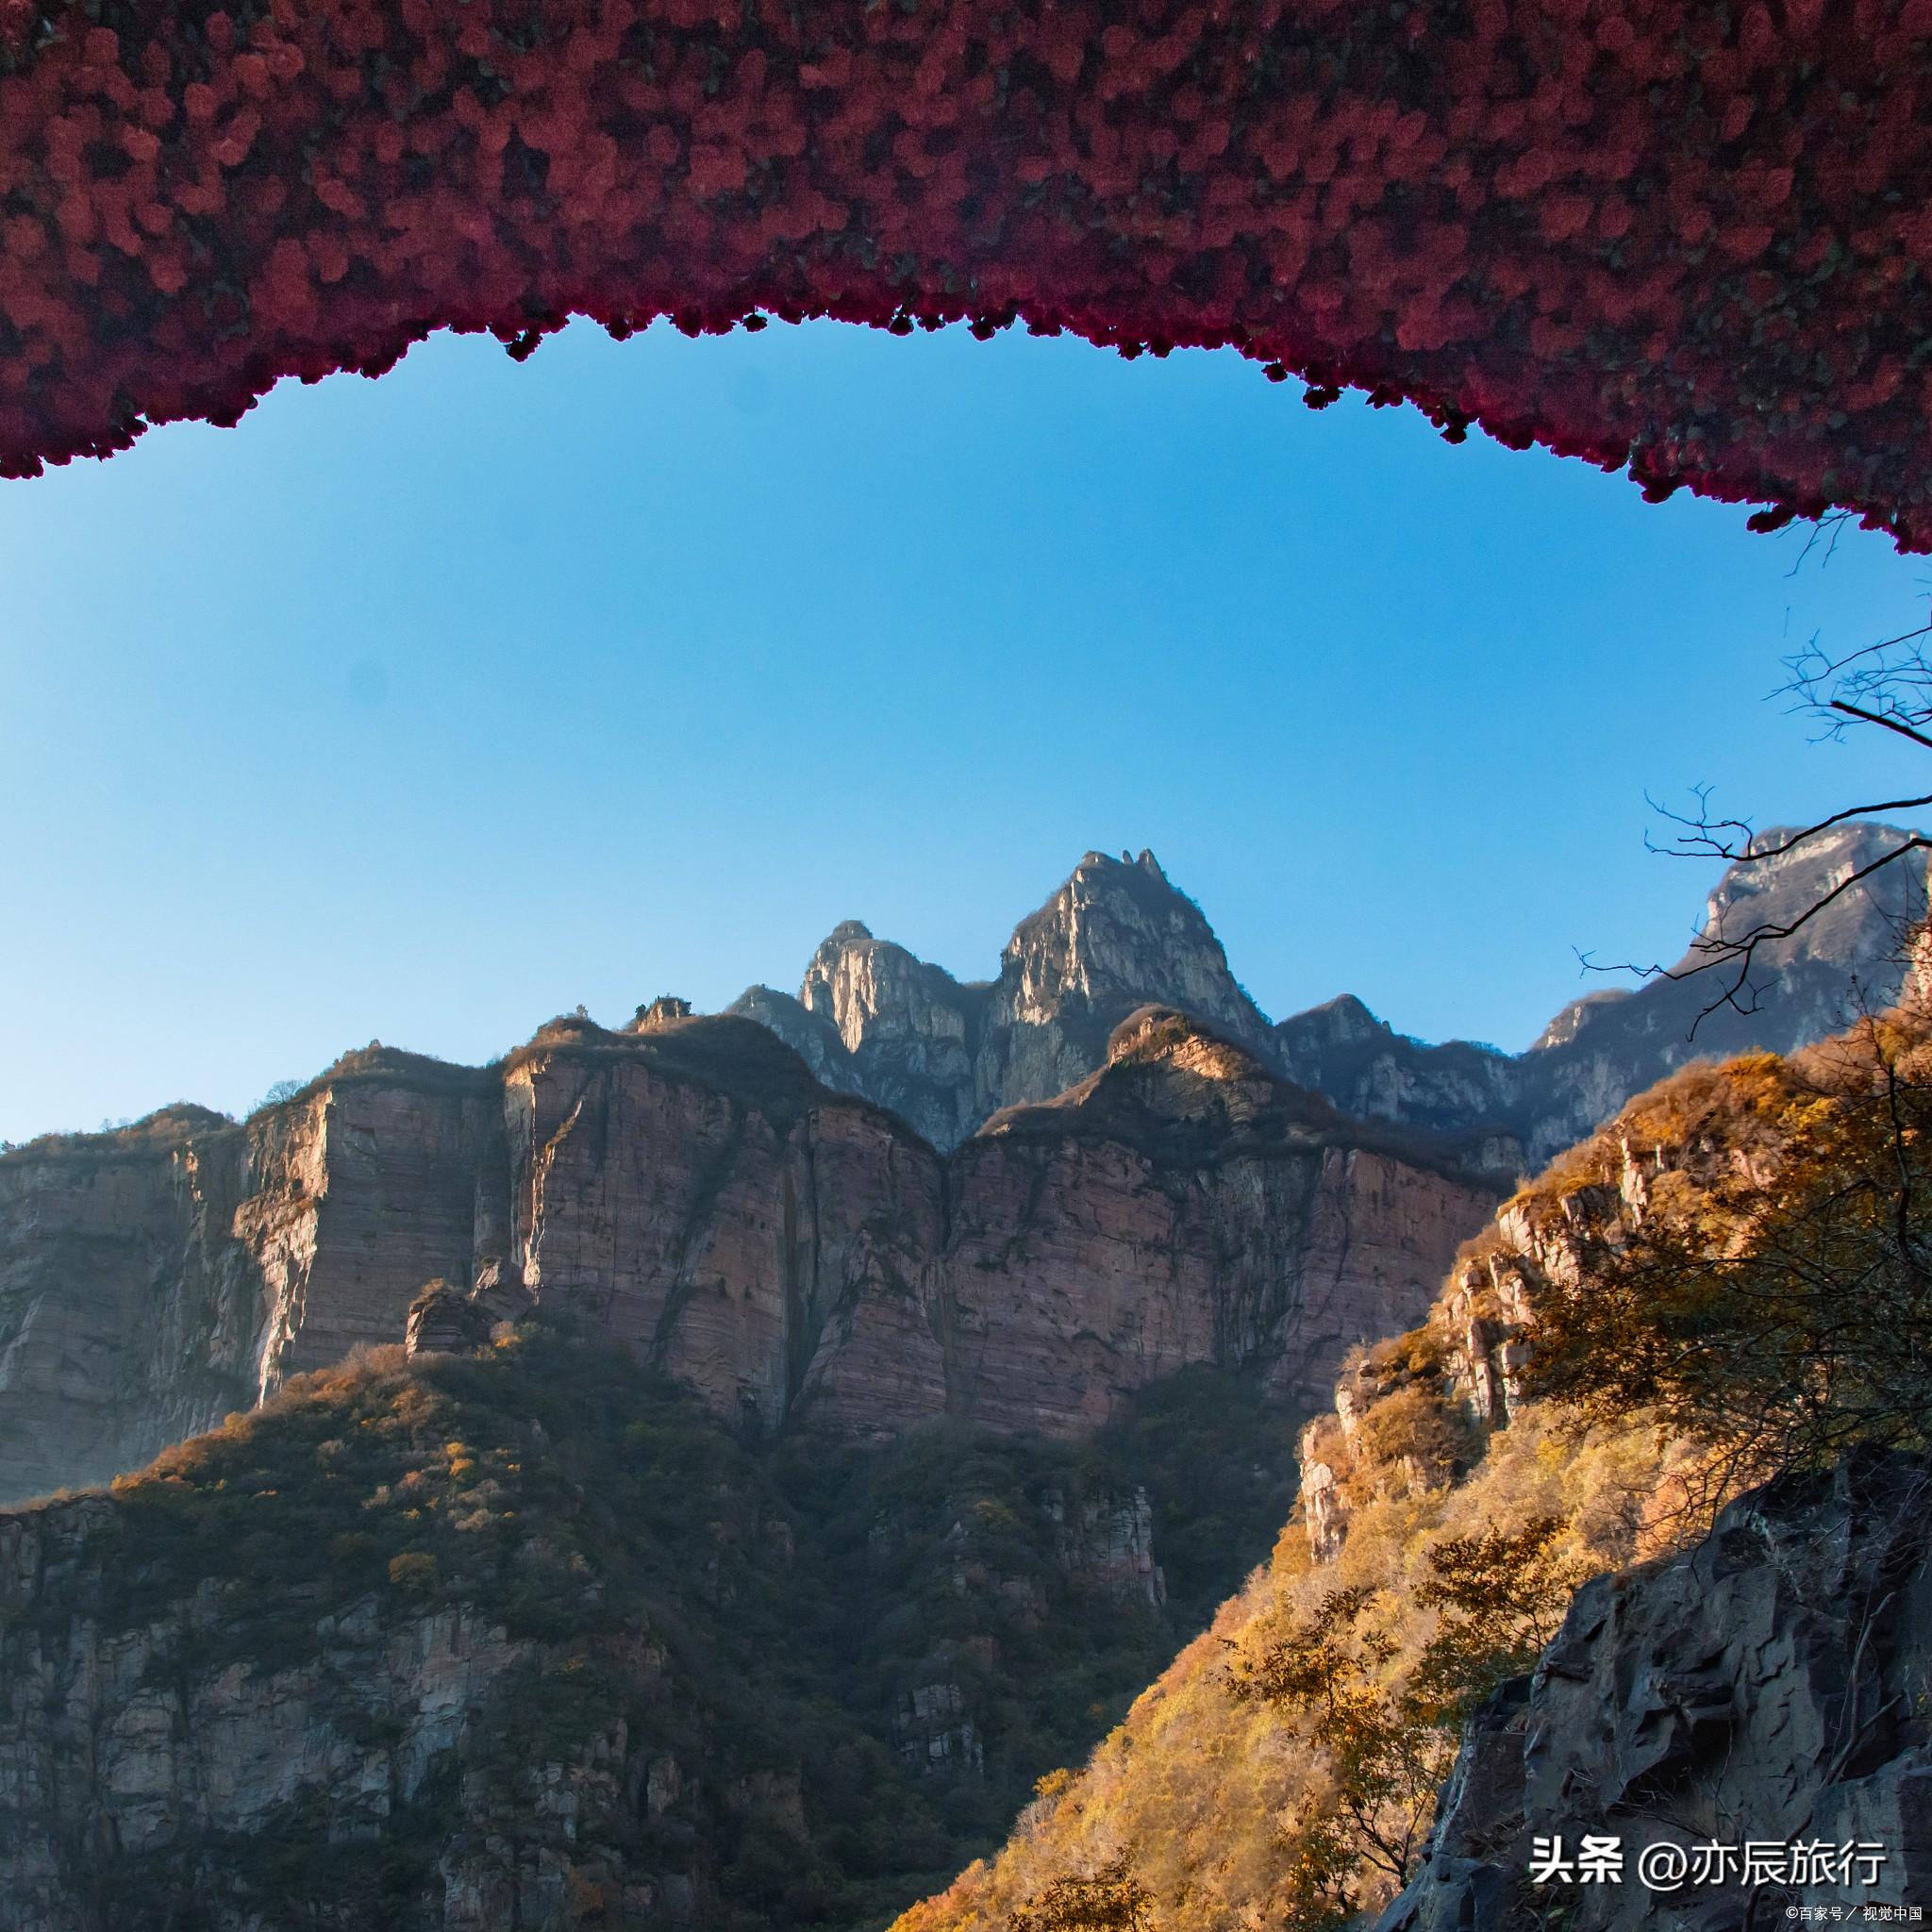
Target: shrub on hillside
(1777,1310)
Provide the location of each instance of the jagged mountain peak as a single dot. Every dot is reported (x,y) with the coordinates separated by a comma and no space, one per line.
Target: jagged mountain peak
(873,1018)
(1774,891)
(1145,861)
(1118,930)
(1117,935)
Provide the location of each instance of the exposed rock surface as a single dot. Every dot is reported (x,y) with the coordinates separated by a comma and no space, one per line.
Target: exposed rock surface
(771,1241)
(151,1280)
(1602,1049)
(793,1254)
(1769,1686)
(874,1020)
(870,1019)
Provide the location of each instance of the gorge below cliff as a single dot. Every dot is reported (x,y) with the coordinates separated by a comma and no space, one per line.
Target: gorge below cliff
(708,1473)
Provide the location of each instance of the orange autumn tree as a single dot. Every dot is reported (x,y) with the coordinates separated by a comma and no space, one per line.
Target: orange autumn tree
(1388,1739)
(1781,1312)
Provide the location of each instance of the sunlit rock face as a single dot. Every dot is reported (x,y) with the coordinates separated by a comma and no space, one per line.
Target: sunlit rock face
(871,1018)
(797,1255)
(938,1201)
(1115,937)
(1764,1686)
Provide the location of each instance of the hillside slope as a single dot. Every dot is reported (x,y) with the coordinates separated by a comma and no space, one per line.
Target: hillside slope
(526,1637)
(1223,1806)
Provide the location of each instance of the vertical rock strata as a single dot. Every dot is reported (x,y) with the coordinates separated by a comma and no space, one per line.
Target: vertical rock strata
(153,1280)
(790,1253)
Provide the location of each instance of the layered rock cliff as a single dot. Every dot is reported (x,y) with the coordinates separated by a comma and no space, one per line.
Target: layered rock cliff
(796,1255)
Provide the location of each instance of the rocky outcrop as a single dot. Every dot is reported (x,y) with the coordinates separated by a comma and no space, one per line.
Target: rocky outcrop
(1110,1542)
(1764,1693)
(185,1777)
(153,1279)
(797,1255)
(870,1019)
(1600,1050)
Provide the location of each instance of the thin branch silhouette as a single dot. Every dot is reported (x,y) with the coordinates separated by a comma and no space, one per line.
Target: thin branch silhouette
(1884,687)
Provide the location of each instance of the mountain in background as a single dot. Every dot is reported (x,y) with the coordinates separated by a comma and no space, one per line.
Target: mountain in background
(871,1018)
(799,1257)
(661,1490)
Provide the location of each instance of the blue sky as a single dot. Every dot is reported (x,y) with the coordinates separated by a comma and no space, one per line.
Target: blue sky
(424,708)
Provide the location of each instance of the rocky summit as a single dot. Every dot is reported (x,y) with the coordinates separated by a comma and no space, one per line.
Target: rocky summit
(870,1019)
(1600,1050)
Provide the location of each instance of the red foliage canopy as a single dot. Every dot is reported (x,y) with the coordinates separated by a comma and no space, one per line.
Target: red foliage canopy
(1692,236)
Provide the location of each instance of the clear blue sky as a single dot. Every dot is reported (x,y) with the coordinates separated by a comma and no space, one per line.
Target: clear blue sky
(427,708)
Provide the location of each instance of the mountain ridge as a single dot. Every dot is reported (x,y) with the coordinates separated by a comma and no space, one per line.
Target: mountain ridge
(871,1018)
(795,1255)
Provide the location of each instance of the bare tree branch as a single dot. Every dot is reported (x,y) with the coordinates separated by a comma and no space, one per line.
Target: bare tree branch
(1885,685)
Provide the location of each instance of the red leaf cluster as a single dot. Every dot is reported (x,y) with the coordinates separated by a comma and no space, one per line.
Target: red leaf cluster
(1688,236)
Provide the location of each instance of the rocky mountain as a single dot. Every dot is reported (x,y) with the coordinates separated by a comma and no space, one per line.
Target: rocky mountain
(529,1638)
(871,1018)
(911,1469)
(796,1255)
(1602,1049)
(1753,1678)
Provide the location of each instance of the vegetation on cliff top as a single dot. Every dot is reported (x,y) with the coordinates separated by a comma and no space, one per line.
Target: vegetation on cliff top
(861,1658)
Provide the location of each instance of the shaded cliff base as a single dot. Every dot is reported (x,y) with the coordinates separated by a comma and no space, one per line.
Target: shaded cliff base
(526,1637)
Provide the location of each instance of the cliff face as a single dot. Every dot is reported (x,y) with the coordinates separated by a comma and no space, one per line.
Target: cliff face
(153,1280)
(793,1255)
(527,1638)
(1768,1686)
(128,1311)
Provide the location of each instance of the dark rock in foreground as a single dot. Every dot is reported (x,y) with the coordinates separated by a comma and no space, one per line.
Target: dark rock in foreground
(1766,1692)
